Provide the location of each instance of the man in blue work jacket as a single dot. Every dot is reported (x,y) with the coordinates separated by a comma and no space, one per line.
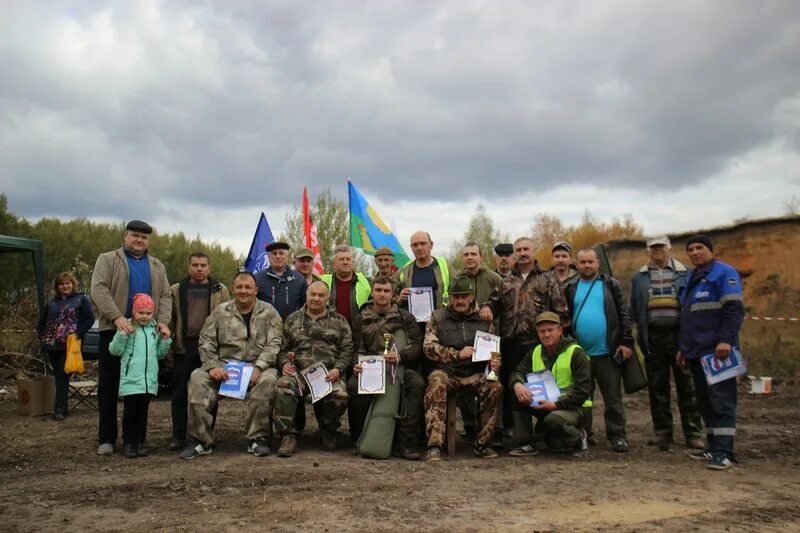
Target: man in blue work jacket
(712,313)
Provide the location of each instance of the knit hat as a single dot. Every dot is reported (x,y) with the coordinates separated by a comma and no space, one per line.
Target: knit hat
(702,239)
(142,301)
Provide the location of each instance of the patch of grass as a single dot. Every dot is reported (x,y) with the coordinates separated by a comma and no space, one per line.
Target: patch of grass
(772,348)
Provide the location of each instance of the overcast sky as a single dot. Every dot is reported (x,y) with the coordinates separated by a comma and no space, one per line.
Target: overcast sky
(197,116)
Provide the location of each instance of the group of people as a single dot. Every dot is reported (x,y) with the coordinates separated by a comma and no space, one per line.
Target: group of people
(571,320)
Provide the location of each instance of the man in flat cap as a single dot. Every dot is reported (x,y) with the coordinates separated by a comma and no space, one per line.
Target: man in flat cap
(656,311)
(504,259)
(117,276)
(561,421)
(563,268)
(304,265)
(712,313)
(384,260)
(278,284)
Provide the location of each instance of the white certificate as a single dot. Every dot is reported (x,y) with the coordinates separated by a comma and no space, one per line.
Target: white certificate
(315,378)
(372,379)
(420,303)
(485,344)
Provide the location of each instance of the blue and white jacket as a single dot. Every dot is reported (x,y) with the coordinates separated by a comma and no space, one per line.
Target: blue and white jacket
(711,309)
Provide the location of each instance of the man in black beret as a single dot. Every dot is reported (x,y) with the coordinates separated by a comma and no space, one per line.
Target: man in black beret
(279,285)
(504,258)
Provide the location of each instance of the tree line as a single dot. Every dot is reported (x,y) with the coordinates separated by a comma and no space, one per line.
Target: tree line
(75,244)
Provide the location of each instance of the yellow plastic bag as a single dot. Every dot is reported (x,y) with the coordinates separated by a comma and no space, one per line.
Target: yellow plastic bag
(74,362)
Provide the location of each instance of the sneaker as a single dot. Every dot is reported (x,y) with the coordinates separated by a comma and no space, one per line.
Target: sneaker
(719,462)
(288,446)
(259,447)
(702,455)
(434,454)
(105,449)
(526,450)
(328,440)
(664,442)
(130,451)
(484,452)
(620,445)
(695,444)
(141,450)
(582,447)
(176,444)
(195,449)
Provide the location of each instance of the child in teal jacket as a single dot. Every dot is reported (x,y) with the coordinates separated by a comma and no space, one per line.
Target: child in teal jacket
(138,380)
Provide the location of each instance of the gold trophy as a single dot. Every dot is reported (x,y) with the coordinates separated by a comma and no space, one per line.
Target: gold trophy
(492,375)
(387,341)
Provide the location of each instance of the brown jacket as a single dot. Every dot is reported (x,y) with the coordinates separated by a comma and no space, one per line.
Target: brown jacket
(218,294)
(109,290)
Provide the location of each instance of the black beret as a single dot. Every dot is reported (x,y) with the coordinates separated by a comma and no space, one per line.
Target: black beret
(277,245)
(139,227)
(504,248)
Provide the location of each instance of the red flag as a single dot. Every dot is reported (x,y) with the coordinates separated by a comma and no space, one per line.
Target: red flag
(310,235)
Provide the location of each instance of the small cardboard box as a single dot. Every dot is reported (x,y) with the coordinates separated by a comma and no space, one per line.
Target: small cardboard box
(760,385)
(35,396)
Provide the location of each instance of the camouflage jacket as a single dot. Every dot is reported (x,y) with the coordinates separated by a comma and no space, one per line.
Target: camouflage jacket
(326,339)
(447,333)
(517,303)
(371,325)
(225,336)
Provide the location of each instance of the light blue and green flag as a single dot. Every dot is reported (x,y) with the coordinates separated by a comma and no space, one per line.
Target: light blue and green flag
(367,230)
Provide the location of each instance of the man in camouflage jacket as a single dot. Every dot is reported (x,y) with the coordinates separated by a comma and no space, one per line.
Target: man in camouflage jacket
(244,329)
(376,319)
(314,333)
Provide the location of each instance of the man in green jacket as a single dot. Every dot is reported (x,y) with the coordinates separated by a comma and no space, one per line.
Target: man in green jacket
(244,329)
(561,420)
(484,281)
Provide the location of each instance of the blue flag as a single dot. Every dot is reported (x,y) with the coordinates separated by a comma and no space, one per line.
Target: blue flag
(257,258)
(367,230)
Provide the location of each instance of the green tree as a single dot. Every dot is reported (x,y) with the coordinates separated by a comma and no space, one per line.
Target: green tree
(482,231)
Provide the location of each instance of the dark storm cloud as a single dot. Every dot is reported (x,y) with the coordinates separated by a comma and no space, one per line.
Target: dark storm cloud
(242,104)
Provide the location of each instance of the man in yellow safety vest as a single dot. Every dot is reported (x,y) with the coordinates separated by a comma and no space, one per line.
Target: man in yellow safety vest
(559,419)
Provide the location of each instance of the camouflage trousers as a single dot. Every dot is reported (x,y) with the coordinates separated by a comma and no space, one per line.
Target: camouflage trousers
(663,347)
(328,410)
(203,398)
(440,384)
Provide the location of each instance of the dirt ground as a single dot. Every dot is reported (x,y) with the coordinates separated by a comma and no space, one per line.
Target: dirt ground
(51,479)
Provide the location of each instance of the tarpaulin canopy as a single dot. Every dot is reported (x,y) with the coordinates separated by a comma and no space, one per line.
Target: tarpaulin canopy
(9,244)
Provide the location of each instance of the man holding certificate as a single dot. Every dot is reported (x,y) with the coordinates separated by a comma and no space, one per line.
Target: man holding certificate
(449,346)
(316,349)
(244,329)
(527,292)
(712,313)
(375,322)
(560,418)
(422,283)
